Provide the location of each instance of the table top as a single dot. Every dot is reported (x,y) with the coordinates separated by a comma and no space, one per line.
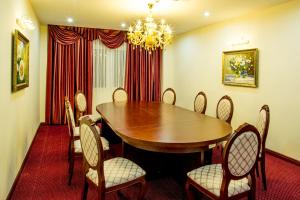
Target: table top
(162,127)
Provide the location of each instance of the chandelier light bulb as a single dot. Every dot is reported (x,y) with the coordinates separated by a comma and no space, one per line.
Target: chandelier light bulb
(130,29)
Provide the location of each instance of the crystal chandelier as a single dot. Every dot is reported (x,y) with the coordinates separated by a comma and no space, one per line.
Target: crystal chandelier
(148,34)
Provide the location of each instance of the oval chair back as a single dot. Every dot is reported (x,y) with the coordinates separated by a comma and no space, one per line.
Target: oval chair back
(169,96)
(200,103)
(80,104)
(240,156)
(225,109)
(120,95)
(92,149)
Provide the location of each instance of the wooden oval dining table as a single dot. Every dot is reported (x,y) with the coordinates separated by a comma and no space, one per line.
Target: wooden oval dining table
(160,127)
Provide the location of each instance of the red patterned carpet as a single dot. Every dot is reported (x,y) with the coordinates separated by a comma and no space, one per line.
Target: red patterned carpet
(45,175)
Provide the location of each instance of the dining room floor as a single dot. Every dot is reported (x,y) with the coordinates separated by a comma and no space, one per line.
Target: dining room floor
(45,175)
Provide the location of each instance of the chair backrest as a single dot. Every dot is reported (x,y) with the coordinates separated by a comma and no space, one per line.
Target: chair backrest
(120,95)
(262,124)
(241,152)
(200,103)
(67,104)
(80,102)
(70,116)
(225,109)
(169,96)
(92,149)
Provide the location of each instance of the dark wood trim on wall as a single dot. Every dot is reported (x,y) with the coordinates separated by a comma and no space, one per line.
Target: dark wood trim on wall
(13,187)
(283,157)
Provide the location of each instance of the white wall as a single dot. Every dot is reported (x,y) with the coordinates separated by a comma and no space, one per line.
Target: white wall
(43,69)
(19,111)
(196,62)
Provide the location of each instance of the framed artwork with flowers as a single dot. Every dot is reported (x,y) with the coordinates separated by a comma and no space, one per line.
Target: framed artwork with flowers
(240,67)
(20,70)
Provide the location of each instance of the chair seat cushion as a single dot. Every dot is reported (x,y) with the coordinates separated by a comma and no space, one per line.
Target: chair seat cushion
(210,178)
(117,171)
(105,143)
(76,131)
(77,145)
(94,118)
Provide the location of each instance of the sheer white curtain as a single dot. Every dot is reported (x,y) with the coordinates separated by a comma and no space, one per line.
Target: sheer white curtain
(108,71)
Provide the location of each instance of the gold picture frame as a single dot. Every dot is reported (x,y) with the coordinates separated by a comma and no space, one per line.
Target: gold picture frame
(20,78)
(240,67)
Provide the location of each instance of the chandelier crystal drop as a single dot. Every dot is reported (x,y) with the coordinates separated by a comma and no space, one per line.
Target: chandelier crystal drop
(148,34)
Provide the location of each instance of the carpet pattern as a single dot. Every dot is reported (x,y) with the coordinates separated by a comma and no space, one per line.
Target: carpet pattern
(45,175)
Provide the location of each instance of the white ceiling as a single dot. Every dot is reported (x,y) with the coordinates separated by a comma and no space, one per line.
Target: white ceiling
(183,15)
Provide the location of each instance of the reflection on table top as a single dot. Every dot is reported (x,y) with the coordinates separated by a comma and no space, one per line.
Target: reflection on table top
(162,127)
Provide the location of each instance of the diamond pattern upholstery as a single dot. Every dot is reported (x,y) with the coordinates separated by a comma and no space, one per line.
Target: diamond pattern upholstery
(199,103)
(105,143)
(242,154)
(89,145)
(77,145)
(210,177)
(117,171)
(224,109)
(120,95)
(81,102)
(261,121)
(168,97)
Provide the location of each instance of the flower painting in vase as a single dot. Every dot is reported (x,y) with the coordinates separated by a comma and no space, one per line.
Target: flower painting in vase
(21,62)
(240,67)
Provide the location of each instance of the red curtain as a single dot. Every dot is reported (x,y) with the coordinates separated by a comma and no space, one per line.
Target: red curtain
(69,65)
(143,74)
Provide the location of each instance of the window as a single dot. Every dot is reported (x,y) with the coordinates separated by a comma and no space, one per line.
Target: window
(108,65)
(108,71)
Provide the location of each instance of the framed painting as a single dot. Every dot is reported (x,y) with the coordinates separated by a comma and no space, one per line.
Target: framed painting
(240,67)
(20,70)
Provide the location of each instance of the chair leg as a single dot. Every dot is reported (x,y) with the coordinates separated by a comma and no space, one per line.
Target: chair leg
(188,192)
(251,194)
(69,151)
(257,170)
(85,190)
(263,172)
(71,168)
(143,190)
(207,157)
(101,194)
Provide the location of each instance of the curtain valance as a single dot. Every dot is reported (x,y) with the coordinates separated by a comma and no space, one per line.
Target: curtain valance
(67,35)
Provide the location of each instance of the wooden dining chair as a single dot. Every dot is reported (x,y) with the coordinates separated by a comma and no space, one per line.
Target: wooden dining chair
(200,103)
(225,109)
(74,146)
(169,96)
(262,126)
(109,175)
(81,107)
(120,95)
(235,177)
